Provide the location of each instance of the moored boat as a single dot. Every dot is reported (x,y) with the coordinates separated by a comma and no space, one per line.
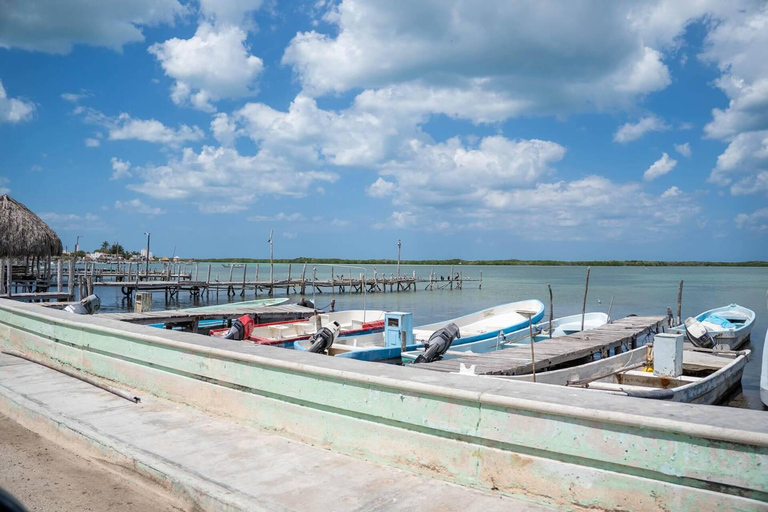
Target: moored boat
(351,322)
(560,327)
(707,377)
(723,328)
(258,303)
(486,324)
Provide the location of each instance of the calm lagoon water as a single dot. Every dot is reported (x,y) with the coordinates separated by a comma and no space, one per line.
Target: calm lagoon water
(638,290)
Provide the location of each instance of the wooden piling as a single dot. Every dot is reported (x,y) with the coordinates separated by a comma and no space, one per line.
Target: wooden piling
(551,309)
(245,269)
(584,305)
(610,307)
(679,302)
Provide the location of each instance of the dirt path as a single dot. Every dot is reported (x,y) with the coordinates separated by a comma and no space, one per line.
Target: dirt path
(46,477)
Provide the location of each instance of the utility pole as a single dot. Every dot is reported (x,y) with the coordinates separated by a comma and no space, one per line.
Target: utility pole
(146,271)
(399,243)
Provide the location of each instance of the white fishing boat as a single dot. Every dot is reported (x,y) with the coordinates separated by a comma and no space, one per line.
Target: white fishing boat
(708,375)
(486,324)
(723,328)
(560,327)
(353,321)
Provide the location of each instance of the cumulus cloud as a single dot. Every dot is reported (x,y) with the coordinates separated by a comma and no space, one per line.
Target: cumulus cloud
(755,221)
(125,127)
(660,167)
(684,149)
(744,164)
(229,11)
(629,131)
(150,130)
(381,188)
(137,206)
(219,179)
(517,57)
(92,143)
(120,168)
(215,63)
(14,110)
(53,26)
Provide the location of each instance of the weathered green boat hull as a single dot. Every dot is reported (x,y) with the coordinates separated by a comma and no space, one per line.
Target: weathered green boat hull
(569,448)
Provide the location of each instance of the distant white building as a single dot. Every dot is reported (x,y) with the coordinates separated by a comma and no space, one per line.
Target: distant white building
(144,254)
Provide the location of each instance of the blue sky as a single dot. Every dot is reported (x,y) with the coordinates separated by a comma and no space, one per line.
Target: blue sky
(562,130)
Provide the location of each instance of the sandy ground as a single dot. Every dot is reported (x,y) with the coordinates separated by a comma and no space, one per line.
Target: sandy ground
(46,477)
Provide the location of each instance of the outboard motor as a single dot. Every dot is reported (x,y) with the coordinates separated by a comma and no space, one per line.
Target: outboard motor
(439,343)
(241,328)
(306,303)
(323,339)
(697,333)
(87,306)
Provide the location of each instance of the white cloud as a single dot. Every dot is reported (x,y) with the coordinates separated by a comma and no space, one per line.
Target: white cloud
(381,188)
(54,26)
(218,178)
(280,217)
(13,110)
(3,182)
(451,172)
(137,206)
(744,164)
(125,127)
(92,143)
(151,130)
(660,167)
(224,129)
(629,132)
(120,168)
(671,192)
(74,97)
(517,56)
(756,221)
(684,149)
(74,222)
(215,63)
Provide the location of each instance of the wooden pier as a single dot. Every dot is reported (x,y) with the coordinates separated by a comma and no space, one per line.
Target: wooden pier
(189,319)
(617,336)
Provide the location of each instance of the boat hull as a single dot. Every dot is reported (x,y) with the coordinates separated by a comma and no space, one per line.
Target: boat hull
(764,373)
(732,337)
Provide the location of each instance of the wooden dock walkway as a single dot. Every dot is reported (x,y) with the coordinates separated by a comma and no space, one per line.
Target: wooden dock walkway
(188,319)
(620,335)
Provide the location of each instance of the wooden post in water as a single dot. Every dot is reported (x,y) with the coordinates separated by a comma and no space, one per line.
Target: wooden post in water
(245,269)
(584,306)
(333,283)
(303,280)
(451,278)
(58,275)
(271,265)
(551,309)
(679,302)
(289,280)
(610,307)
(71,278)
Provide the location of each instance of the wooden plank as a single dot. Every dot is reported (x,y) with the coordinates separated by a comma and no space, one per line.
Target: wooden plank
(552,352)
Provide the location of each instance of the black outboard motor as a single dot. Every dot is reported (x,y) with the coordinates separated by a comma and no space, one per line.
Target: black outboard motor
(306,303)
(236,332)
(439,343)
(697,333)
(323,339)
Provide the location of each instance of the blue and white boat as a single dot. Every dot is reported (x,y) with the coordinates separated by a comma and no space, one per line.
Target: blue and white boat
(482,325)
(560,327)
(728,326)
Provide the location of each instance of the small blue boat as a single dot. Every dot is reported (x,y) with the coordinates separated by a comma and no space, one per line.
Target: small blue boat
(486,324)
(728,326)
(560,327)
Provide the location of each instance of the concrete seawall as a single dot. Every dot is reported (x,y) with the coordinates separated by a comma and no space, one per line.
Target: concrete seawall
(566,447)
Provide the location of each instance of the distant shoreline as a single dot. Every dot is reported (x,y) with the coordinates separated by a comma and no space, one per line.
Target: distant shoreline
(542,263)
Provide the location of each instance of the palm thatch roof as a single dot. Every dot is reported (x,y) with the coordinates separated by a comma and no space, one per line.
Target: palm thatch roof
(22,233)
